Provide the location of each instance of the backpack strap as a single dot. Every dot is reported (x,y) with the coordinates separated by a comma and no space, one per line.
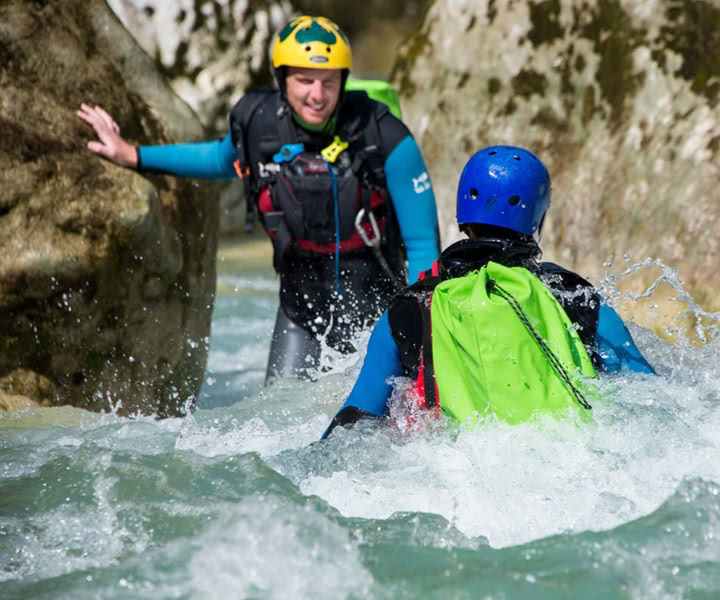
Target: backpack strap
(240,117)
(410,327)
(363,131)
(427,370)
(285,126)
(579,299)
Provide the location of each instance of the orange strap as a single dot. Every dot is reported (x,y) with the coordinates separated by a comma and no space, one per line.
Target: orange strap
(240,171)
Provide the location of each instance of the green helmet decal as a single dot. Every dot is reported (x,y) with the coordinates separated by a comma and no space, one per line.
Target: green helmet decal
(309,29)
(315,33)
(287,30)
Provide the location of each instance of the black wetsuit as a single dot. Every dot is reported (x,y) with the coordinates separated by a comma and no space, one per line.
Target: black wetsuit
(319,296)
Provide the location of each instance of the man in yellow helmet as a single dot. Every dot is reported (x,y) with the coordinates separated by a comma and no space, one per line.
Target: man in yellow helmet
(338,182)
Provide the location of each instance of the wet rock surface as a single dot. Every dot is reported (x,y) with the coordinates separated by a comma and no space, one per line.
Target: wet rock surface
(619,98)
(211,51)
(107,278)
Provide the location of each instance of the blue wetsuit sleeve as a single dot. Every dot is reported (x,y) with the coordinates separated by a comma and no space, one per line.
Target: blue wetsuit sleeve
(201,160)
(370,394)
(414,201)
(615,344)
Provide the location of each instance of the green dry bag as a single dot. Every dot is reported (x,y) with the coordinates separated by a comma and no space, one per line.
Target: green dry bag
(502,345)
(379,90)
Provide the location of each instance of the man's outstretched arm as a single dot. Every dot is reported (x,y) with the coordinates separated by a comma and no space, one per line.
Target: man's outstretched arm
(202,160)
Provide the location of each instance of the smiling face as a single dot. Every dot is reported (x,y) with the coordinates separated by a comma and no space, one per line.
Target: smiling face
(313,93)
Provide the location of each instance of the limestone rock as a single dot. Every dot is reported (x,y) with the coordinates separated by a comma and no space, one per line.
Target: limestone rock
(375,28)
(618,97)
(107,278)
(22,383)
(211,50)
(13,402)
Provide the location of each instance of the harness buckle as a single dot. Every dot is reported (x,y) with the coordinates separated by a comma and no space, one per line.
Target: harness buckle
(335,149)
(288,152)
(361,230)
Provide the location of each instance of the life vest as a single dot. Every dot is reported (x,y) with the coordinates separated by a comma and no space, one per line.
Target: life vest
(496,340)
(315,200)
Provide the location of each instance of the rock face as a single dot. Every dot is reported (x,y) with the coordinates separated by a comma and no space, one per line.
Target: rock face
(619,98)
(211,51)
(107,278)
(375,29)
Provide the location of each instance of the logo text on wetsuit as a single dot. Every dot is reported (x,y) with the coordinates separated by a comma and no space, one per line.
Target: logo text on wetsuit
(422,183)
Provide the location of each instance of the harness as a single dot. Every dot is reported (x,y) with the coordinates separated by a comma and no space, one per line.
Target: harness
(314,200)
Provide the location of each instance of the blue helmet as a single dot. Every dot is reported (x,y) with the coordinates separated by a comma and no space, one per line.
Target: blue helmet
(504,186)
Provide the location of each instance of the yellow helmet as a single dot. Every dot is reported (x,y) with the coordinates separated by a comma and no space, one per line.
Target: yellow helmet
(312,42)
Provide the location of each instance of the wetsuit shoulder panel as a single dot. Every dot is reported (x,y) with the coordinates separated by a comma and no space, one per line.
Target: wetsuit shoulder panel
(392,130)
(413,199)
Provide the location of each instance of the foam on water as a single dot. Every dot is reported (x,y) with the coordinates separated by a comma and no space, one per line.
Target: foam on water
(239,499)
(513,484)
(299,540)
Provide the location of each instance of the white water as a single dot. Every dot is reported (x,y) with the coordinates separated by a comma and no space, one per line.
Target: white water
(238,500)
(509,484)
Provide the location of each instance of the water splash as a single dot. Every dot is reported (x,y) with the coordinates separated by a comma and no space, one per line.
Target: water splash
(703,324)
(102,505)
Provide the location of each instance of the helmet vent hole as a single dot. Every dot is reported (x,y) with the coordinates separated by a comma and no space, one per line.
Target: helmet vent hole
(474,193)
(307,48)
(493,153)
(328,49)
(516,157)
(514,200)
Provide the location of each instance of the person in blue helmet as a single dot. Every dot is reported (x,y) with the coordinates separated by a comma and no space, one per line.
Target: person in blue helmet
(497,280)
(337,181)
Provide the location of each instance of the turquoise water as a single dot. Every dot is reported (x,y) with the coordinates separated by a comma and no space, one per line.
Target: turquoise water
(237,501)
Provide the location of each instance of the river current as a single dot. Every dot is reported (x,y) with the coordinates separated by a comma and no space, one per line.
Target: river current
(238,500)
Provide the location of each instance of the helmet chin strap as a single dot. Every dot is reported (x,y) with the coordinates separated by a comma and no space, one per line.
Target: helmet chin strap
(537,236)
(280,76)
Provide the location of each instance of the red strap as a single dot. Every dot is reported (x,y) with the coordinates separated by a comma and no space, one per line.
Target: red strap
(265,201)
(433,401)
(420,385)
(434,271)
